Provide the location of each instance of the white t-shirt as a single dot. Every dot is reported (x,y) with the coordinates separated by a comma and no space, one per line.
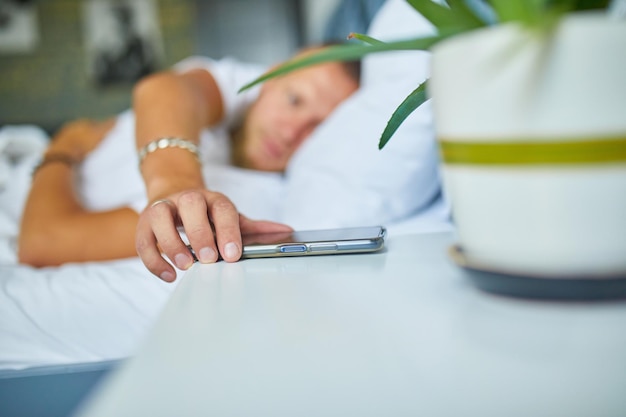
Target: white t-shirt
(110,177)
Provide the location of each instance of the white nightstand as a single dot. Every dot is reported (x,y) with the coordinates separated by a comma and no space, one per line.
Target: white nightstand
(397,333)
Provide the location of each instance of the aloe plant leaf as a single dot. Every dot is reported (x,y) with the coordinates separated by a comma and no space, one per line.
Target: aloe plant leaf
(364,38)
(440,16)
(526,11)
(458,16)
(569,5)
(466,14)
(408,106)
(591,4)
(346,53)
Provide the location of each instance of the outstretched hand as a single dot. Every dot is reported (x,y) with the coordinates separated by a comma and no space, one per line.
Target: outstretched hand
(209,219)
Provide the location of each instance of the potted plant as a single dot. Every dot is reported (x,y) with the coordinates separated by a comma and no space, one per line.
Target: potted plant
(530,113)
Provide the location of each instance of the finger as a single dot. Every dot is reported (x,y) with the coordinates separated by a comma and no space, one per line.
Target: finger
(146,246)
(261,226)
(193,212)
(161,215)
(225,218)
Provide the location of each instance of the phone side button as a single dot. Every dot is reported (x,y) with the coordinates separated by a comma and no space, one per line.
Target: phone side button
(323,247)
(292,248)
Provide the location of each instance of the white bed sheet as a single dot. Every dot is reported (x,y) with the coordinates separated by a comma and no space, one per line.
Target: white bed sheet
(69,314)
(75,313)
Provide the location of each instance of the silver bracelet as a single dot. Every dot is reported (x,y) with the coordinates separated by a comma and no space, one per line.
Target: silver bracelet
(171,142)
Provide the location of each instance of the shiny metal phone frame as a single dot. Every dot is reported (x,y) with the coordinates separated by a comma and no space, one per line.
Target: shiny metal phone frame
(370,239)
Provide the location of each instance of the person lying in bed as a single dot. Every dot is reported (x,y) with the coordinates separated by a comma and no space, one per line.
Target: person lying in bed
(173,110)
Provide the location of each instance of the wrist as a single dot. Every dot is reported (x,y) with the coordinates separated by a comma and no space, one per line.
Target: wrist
(164,186)
(57,148)
(62,158)
(170,169)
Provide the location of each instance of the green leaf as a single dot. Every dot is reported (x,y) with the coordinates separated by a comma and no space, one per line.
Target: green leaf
(408,106)
(365,38)
(346,53)
(569,5)
(591,4)
(440,16)
(525,11)
(541,13)
(458,16)
(466,14)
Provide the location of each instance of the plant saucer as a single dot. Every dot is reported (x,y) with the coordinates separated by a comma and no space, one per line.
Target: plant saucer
(516,284)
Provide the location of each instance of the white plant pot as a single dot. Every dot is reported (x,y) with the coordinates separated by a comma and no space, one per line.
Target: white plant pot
(532,129)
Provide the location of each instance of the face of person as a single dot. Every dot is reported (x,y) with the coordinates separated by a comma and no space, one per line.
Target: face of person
(286,112)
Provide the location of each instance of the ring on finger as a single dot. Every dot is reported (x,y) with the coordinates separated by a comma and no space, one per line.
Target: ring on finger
(163,200)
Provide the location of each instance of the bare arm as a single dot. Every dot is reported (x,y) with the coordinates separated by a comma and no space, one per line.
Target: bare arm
(55,228)
(174,105)
(181,105)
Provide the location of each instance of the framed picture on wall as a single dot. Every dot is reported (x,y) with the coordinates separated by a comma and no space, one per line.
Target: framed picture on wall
(18,26)
(123,40)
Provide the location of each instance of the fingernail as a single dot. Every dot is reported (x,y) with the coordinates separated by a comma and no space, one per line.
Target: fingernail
(207,255)
(231,251)
(182,261)
(167,276)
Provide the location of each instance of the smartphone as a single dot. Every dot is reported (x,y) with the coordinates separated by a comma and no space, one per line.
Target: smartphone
(314,242)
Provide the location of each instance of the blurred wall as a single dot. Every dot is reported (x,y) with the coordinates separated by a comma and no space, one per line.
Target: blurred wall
(263,31)
(51,84)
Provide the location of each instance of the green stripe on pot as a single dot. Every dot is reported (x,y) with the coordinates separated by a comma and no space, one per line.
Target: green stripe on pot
(529,153)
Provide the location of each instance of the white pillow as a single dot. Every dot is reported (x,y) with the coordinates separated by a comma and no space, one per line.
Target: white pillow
(339,177)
